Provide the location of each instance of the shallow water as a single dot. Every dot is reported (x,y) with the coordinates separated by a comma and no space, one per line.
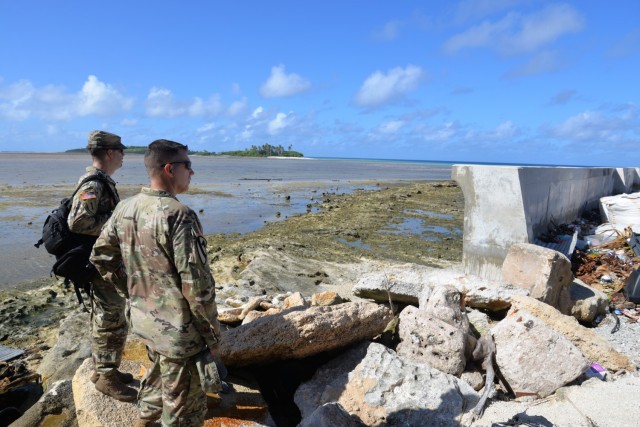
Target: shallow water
(231,195)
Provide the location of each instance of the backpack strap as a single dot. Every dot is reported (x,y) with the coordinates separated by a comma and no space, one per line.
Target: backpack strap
(100,176)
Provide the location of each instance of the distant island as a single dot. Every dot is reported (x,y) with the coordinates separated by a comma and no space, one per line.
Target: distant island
(265,150)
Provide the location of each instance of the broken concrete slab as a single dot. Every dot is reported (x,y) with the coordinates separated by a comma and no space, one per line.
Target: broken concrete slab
(533,358)
(403,282)
(593,346)
(300,333)
(542,271)
(413,284)
(374,383)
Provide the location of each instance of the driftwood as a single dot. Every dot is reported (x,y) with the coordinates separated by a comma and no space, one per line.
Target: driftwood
(487,348)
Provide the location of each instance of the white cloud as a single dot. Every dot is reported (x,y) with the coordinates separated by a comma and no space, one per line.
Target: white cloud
(379,88)
(101,99)
(246,133)
(206,127)
(517,33)
(391,127)
(597,126)
(280,122)
(442,133)
(162,103)
(281,84)
(257,112)
(211,107)
(237,107)
(503,132)
(21,101)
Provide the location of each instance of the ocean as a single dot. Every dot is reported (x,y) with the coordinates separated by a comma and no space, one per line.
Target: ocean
(230,194)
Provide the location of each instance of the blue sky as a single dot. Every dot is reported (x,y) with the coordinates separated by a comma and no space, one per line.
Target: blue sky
(488,80)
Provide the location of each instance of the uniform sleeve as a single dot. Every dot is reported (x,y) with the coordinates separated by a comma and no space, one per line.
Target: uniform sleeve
(107,257)
(84,217)
(198,286)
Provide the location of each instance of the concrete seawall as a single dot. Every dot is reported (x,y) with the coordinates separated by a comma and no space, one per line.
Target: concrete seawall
(515,204)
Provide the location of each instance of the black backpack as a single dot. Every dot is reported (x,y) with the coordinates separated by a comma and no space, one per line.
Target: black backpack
(72,250)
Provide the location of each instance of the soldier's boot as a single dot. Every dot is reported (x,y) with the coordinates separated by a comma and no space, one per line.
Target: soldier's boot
(110,385)
(124,377)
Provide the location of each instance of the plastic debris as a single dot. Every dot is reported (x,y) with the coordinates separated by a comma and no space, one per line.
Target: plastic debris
(596,371)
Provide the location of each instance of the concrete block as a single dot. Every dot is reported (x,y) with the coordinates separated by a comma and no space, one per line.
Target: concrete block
(542,271)
(514,204)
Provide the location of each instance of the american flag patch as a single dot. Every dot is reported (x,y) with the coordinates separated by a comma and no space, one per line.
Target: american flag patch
(88,195)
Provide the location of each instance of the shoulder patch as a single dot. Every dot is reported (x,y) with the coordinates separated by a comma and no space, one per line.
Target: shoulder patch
(200,246)
(87,195)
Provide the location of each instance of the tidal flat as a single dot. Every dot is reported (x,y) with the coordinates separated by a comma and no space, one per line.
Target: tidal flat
(345,228)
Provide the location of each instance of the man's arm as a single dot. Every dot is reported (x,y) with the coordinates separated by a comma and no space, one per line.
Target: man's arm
(107,257)
(84,217)
(198,286)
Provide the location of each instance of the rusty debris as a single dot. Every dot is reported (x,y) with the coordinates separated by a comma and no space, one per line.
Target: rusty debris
(14,375)
(605,266)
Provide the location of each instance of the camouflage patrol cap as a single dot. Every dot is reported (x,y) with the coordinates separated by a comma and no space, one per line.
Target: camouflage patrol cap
(102,139)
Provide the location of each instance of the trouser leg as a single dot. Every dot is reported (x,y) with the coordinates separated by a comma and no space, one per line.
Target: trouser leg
(184,401)
(109,331)
(150,394)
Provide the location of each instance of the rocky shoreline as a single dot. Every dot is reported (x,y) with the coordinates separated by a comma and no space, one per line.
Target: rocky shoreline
(404,234)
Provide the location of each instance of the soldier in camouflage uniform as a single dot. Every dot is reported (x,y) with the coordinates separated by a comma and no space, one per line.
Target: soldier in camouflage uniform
(91,208)
(171,303)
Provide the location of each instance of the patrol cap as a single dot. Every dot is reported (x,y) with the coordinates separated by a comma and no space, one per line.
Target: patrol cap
(102,139)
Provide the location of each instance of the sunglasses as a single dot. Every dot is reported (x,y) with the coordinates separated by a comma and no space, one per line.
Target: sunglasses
(186,163)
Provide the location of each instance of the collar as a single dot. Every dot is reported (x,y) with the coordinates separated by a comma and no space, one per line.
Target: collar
(157,193)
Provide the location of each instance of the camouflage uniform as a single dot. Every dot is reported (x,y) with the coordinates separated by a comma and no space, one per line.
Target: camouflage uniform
(171,301)
(91,208)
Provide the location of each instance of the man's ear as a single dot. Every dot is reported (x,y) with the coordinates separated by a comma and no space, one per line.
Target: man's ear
(168,170)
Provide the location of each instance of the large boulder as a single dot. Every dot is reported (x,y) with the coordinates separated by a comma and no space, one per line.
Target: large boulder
(438,333)
(71,349)
(95,409)
(583,302)
(381,388)
(302,333)
(594,347)
(243,406)
(425,338)
(542,271)
(533,358)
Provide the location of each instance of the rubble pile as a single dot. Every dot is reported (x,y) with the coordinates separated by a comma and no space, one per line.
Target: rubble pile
(603,260)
